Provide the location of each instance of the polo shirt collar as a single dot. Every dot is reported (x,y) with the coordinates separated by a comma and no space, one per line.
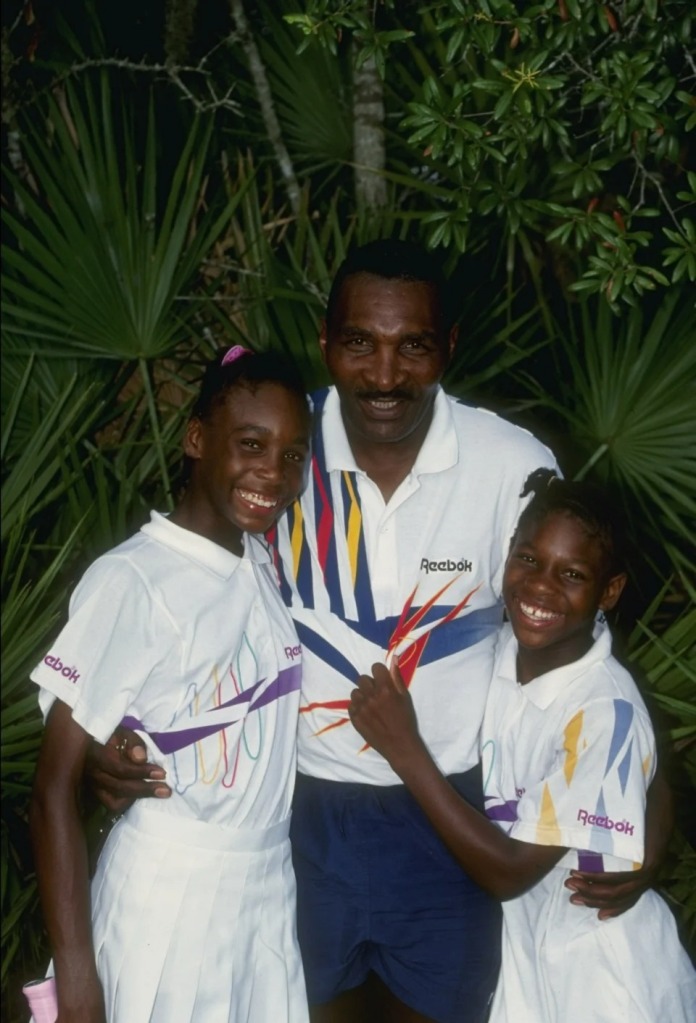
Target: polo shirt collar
(196,547)
(542,691)
(439,450)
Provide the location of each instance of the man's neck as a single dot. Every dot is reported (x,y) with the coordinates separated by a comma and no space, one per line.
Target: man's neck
(387,465)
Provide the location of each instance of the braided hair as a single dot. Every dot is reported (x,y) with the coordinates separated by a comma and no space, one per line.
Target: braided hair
(585,502)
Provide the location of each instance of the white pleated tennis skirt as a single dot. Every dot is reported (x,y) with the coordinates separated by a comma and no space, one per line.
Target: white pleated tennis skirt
(194,923)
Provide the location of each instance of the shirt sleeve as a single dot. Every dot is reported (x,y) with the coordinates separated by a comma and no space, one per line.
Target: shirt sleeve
(594,798)
(115,636)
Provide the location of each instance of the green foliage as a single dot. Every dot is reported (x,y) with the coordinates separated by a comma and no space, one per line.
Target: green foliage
(325,23)
(100,258)
(625,391)
(551,126)
(96,259)
(665,660)
(311,100)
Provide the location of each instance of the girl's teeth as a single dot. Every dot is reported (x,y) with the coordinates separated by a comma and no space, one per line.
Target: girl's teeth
(257,499)
(537,613)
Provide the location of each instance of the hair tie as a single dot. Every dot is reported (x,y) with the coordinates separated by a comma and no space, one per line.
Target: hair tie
(234,353)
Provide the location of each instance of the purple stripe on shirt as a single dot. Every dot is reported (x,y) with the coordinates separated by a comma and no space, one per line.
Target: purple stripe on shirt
(593,862)
(506,811)
(288,681)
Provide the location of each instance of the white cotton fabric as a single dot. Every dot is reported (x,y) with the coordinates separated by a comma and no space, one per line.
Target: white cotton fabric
(194,897)
(567,759)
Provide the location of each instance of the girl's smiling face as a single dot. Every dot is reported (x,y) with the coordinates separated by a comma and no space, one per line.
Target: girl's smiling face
(555,582)
(249,458)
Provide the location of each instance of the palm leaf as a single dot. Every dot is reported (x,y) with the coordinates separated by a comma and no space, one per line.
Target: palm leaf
(625,389)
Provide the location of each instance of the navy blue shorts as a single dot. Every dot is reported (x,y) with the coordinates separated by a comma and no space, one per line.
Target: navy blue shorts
(377,890)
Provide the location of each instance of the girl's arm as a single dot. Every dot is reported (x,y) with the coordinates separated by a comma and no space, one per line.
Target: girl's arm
(60,855)
(382,711)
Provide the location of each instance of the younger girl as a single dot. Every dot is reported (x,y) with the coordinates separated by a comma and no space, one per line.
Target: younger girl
(568,752)
(181,633)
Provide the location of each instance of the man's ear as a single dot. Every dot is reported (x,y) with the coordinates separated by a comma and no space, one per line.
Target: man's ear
(322,340)
(193,439)
(612,591)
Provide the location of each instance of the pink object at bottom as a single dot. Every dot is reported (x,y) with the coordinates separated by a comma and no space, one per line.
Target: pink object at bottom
(43,1002)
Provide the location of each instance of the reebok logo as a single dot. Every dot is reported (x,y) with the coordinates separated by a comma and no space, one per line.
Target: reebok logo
(291,652)
(449,565)
(604,822)
(57,665)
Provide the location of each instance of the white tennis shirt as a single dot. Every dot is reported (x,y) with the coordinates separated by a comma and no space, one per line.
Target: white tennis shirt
(194,648)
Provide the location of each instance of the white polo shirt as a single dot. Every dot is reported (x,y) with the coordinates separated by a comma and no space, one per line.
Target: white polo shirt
(194,648)
(567,759)
(419,576)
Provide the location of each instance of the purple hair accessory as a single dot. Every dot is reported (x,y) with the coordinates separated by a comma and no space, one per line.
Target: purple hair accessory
(234,353)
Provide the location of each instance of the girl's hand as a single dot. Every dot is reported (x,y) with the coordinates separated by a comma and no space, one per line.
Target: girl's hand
(382,711)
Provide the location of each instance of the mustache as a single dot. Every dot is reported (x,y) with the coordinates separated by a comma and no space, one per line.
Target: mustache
(396,395)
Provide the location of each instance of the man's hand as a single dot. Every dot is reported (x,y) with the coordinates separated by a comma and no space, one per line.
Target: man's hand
(382,711)
(118,773)
(611,893)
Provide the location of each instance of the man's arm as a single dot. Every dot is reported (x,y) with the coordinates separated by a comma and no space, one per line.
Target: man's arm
(61,864)
(118,773)
(382,711)
(614,893)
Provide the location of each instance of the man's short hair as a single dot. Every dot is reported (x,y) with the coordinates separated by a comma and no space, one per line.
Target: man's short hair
(393,259)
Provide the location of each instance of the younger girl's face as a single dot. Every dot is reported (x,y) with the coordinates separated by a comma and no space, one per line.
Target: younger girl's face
(249,459)
(555,582)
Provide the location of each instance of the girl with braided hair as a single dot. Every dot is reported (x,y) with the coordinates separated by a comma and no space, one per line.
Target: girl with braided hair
(568,752)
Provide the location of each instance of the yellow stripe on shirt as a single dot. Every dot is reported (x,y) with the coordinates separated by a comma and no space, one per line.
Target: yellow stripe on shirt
(354,526)
(571,737)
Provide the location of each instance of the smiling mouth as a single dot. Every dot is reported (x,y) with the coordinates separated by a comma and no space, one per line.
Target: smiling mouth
(258,500)
(538,614)
(385,403)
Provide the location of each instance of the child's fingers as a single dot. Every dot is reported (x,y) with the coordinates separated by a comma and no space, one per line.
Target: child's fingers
(380,676)
(611,894)
(395,675)
(365,684)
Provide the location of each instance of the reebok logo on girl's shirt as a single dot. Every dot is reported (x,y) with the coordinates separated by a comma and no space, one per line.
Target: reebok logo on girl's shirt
(605,822)
(68,672)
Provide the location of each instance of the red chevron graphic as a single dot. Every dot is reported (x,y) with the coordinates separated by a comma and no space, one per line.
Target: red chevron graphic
(409,659)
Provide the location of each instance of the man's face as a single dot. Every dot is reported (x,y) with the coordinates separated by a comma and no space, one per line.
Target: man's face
(386,350)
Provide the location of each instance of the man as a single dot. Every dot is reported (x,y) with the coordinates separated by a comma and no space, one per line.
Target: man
(395,548)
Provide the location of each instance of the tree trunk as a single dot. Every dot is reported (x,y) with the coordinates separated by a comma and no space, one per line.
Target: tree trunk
(265,98)
(369,150)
